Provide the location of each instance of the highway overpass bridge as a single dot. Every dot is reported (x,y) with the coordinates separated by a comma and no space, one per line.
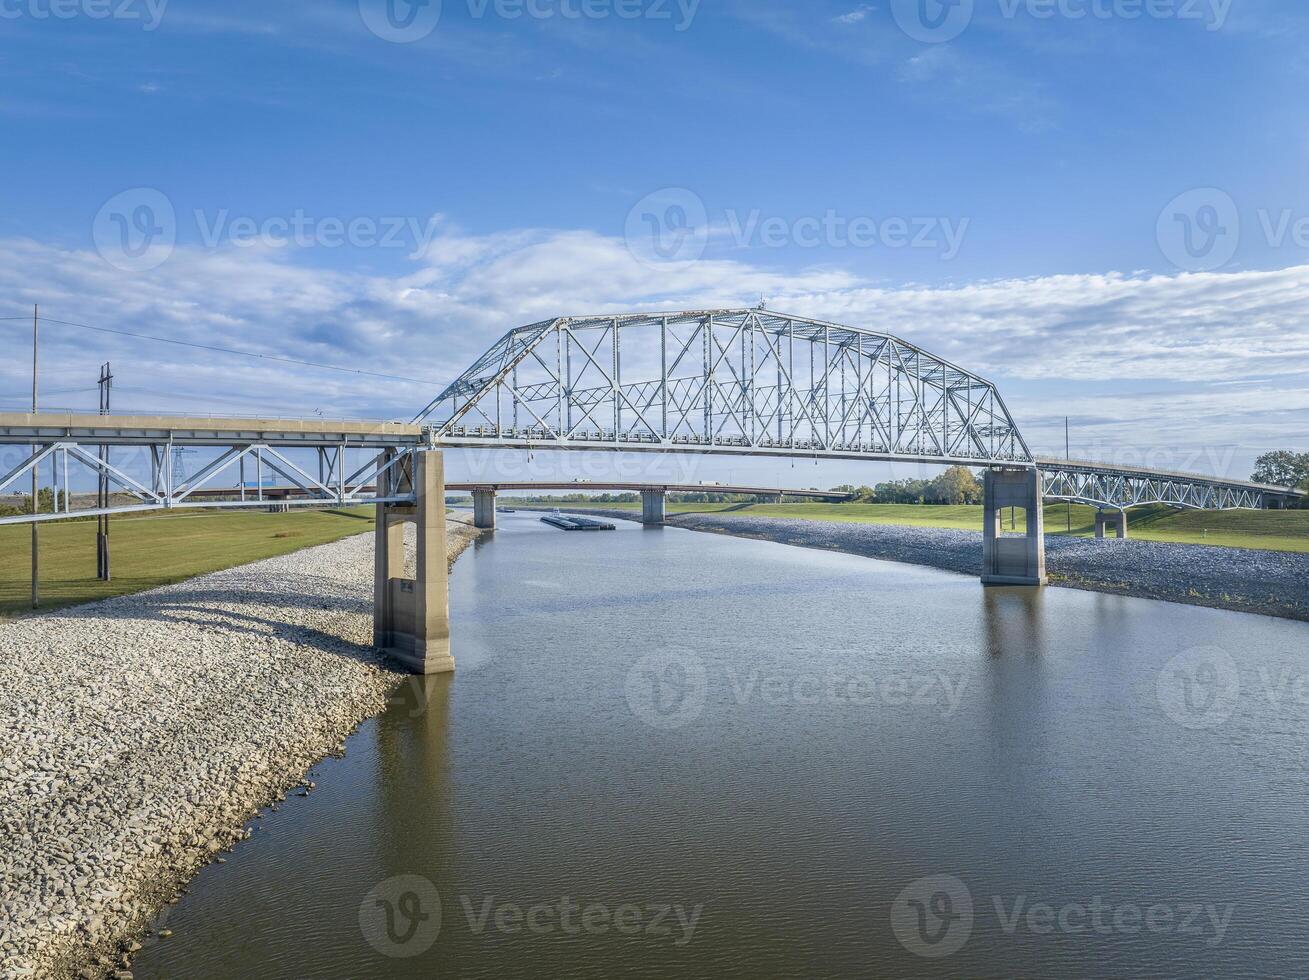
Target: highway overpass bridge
(709,382)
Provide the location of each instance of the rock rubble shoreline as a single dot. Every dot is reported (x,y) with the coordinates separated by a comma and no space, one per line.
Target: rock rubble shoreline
(140,736)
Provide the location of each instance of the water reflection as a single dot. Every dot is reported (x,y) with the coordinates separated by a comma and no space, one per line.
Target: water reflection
(1012,741)
(1014,621)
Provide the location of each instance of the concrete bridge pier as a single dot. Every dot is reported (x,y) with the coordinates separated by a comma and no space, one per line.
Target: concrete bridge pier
(1013,560)
(1116,519)
(653,507)
(484,509)
(411,617)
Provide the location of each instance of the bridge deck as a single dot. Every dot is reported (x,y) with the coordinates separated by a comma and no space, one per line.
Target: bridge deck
(20,428)
(1090,467)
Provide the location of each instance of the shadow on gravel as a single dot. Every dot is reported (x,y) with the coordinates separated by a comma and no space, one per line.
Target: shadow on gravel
(230,620)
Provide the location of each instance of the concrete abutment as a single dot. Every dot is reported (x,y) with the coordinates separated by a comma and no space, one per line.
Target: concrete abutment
(1013,560)
(411,617)
(654,506)
(1111,519)
(484,509)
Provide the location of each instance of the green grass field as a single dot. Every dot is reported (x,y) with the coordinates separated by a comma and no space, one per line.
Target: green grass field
(150,550)
(1271,530)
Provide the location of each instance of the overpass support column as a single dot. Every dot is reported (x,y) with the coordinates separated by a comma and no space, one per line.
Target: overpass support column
(1116,519)
(411,617)
(653,507)
(484,509)
(1013,560)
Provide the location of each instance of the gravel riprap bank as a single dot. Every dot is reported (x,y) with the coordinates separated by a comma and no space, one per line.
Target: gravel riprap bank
(1270,583)
(139,735)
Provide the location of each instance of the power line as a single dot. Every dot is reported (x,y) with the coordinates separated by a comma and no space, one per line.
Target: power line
(234,351)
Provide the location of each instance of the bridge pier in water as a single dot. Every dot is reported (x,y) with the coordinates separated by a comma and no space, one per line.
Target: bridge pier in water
(1013,560)
(654,505)
(484,509)
(1106,519)
(411,617)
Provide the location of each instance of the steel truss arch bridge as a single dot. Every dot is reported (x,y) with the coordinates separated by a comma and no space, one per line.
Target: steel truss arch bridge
(741,382)
(761,383)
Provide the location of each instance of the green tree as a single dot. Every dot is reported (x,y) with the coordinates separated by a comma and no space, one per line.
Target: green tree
(957,485)
(1282,468)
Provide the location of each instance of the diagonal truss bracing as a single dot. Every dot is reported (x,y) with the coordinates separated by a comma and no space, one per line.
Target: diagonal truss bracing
(271,466)
(1111,489)
(735,381)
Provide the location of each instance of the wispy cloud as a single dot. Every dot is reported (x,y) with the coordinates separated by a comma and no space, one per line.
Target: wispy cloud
(1141,361)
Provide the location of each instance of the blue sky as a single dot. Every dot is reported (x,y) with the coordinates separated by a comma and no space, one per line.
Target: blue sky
(1102,204)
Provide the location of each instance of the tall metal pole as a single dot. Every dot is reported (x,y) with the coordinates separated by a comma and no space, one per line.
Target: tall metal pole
(102,537)
(36,555)
(1068,455)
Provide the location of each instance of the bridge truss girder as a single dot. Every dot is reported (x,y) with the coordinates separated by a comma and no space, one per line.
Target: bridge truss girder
(739,381)
(1124,490)
(335,485)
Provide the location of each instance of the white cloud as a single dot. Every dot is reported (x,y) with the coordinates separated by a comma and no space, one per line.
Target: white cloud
(860,13)
(1143,363)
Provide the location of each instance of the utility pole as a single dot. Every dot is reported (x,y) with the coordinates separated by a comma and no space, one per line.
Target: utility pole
(1068,456)
(102,498)
(36,555)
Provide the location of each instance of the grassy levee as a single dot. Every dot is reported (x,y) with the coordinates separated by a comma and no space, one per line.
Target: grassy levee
(149,550)
(1269,530)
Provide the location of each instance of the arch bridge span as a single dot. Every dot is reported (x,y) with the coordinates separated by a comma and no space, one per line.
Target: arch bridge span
(741,382)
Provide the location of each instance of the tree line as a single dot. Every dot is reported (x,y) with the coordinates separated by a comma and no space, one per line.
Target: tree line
(1282,468)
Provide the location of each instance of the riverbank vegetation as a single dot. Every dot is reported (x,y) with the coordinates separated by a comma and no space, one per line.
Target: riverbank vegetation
(1270,530)
(149,550)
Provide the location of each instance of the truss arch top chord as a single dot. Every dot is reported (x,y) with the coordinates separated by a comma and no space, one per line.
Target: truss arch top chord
(752,382)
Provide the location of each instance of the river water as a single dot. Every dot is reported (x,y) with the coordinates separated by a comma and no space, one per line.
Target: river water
(668,753)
